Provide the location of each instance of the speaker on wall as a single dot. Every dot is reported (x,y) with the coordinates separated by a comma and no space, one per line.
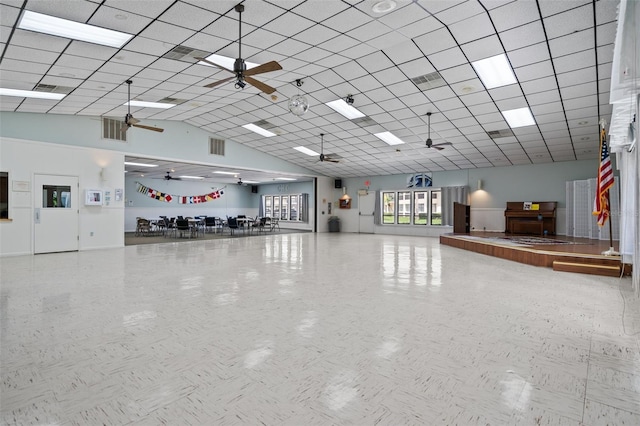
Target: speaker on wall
(254,189)
(337,183)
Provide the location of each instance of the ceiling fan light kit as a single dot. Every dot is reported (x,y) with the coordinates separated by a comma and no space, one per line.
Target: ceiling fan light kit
(242,76)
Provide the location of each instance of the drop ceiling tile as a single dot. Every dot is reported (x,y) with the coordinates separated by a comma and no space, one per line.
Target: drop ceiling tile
(315,33)
(417,29)
(9,64)
(579,90)
(417,68)
(550,108)
(375,62)
(39,41)
(543,97)
(575,61)
(404,52)
(9,15)
(148,8)
(440,93)
(571,43)
(476,99)
(523,36)
(539,85)
(404,16)
(19,80)
(389,76)
(435,41)
(568,22)
(74,11)
(319,10)
(483,48)
(534,71)
(528,55)
(402,88)
(572,78)
(476,27)
(188,16)
(290,47)
(513,15)
(138,44)
(578,103)
(447,58)
(161,31)
(34,55)
(486,108)
(506,92)
(347,20)
(358,51)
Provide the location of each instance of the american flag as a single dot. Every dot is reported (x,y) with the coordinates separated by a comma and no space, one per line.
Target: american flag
(605,181)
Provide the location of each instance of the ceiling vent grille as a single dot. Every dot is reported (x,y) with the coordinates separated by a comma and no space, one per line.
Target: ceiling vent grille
(113,129)
(268,126)
(429,81)
(496,134)
(172,101)
(216,146)
(364,121)
(53,89)
(184,53)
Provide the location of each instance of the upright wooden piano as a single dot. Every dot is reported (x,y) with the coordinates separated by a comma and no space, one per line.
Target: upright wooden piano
(533,217)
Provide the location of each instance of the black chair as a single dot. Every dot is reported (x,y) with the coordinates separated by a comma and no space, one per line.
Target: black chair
(210,223)
(232,224)
(259,224)
(171,226)
(182,225)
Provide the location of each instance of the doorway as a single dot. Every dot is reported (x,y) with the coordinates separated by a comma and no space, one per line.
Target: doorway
(56,213)
(366,208)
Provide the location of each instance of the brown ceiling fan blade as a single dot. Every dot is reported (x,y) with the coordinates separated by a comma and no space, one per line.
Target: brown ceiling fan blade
(260,85)
(217,83)
(132,120)
(268,67)
(212,63)
(331,160)
(142,126)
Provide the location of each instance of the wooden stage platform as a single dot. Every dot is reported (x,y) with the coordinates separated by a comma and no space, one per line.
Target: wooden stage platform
(560,253)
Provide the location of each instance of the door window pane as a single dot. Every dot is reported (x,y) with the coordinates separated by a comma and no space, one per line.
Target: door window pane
(56,196)
(436,208)
(267,205)
(294,207)
(388,207)
(404,208)
(420,208)
(276,207)
(284,208)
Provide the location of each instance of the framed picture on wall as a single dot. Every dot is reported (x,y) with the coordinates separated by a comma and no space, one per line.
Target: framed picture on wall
(93,197)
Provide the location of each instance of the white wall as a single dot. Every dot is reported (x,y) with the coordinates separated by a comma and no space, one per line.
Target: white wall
(95,169)
(235,200)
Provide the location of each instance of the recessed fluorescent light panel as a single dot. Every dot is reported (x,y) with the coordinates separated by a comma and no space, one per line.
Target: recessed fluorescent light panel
(225,62)
(495,71)
(305,150)
(144,104)
(129,163)
(191,177)
(258,130)
(345,109)
(389,138)
(31,94)
(284,178)
(70,29)
(519,117)
(225,173)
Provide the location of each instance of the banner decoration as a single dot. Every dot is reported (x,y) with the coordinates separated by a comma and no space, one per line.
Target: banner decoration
(152,193)
(196,199)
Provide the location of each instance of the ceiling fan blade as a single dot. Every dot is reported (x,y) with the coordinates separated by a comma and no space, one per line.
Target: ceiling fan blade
(442,144)
(331,160)
(217,83)
(268,67)
(260,85)
(142,126)
(439,148)
(212,63)
(132,120)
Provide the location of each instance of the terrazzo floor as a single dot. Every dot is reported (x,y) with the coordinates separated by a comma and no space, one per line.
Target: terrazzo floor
(312,329)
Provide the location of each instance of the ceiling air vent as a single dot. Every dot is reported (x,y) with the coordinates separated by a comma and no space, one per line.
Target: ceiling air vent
(172,101)
(496,134)
(364,121)
(268,126)
(216,146)
(53,89)
(112,128)
(184,53)
(429,81)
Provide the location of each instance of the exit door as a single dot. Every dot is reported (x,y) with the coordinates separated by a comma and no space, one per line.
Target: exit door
(366,207)
(56,213)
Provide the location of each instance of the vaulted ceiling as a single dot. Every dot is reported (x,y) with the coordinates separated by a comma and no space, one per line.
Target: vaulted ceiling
(397,65)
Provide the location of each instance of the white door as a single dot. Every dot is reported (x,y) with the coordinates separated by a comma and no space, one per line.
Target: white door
(366,209)
(56,214)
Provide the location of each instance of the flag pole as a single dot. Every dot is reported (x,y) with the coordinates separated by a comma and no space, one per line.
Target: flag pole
(611,251)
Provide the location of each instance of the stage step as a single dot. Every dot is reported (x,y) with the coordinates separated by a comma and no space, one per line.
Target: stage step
(586,268)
